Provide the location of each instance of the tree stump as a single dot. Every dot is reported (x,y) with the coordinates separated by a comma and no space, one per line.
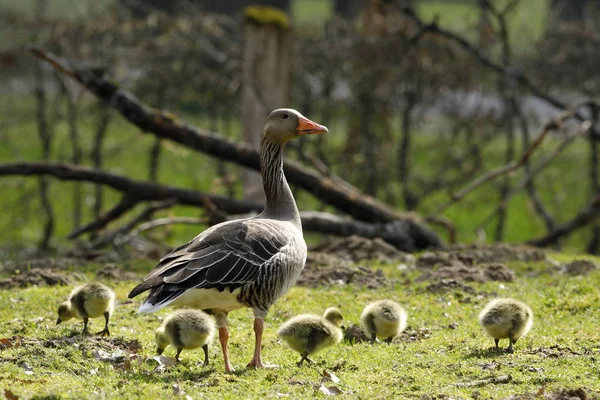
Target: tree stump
(266,78)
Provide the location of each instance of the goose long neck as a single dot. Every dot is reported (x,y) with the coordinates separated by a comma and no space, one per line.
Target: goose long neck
(280,203)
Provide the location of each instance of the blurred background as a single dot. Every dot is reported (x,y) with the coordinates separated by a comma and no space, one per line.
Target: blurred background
(421,97)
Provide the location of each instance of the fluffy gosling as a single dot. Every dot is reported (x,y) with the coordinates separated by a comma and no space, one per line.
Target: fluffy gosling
(88,301)
(506,318)
(186,329)
(383,320)
(308,334)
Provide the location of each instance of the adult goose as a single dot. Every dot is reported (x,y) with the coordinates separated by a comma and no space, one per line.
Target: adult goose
(246,262)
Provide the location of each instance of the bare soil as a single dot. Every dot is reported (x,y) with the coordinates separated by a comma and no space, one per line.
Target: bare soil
(38,277)
(114,272)
(579,267)
(357,249)
(329,269)
(478,254)
(563,394)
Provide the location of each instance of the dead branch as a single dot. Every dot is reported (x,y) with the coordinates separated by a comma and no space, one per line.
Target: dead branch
(126,204)
(585,217)
(140,191)
(156,223)
(481,382)
(405,234)
(146,214)
(535,170)
(164,125)
(518,76)
(550,126)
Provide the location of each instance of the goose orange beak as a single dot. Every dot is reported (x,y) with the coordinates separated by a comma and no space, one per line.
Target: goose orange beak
(308,127)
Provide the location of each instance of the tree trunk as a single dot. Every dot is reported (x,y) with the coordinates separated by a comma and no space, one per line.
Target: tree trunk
(266,79)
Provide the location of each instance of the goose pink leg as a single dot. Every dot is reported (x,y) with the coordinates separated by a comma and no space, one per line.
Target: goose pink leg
(258,331)
(223,338)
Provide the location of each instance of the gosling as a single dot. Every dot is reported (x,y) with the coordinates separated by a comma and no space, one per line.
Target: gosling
(309,334)
(506,318)
(186,329)
(88,301)
(383,320)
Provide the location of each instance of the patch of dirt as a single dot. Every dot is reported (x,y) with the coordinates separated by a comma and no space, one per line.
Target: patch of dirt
(70,258)
(328,269)
(579,267)
(356,249)
(477,254)
(38,277)
(414,335)
(355,334)
(557,351)
(105,343)
(469,273)
(114,272)
(447,285)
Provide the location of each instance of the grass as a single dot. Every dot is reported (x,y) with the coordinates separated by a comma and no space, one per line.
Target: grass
(561,351)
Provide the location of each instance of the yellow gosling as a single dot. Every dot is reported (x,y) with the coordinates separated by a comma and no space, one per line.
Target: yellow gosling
(186,329)
(506,319)
(308,334)
(383,320)
(88,301)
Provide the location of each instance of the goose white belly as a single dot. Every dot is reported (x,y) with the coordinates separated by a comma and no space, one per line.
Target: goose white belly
(205,299)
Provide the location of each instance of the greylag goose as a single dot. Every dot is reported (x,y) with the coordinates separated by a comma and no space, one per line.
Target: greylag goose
(248,262)
(506,319)
(185,329)
(88,301)
(308,334)
(383,319)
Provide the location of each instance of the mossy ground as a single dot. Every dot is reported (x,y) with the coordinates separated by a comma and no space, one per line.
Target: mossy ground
(562,351)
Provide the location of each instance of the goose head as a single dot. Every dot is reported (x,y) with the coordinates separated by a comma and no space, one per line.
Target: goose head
(162,341)
(334,315)
(284,124)
(64,312)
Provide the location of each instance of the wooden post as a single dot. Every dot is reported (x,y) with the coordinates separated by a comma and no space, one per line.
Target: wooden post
(266,78)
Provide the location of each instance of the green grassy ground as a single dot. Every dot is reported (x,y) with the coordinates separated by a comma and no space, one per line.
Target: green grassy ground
(561,351)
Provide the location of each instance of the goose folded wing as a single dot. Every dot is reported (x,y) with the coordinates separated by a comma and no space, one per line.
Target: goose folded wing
(228,256)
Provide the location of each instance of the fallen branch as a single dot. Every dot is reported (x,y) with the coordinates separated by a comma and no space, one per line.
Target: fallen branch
(112,236)
(345,198)
(406,234)
(136,190)
(550,126)
(481,382)
(126,204)
(155,223)
(584,218)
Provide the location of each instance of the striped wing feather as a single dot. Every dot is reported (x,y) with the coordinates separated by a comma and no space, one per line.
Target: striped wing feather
(227,255)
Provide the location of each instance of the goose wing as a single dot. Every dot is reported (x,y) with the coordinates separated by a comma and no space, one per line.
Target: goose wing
(225,256)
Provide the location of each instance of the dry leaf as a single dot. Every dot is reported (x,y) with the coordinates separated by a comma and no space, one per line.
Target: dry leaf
(38,320)
(330,390)
(331,376)
(541,391)
(164,360)
(10,395)
(27,368)
(177,390)
(6,344)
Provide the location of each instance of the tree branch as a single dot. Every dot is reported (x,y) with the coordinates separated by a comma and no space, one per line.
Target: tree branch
(552,125)
(406,234)
(164,125)
(513,73)
(584,218)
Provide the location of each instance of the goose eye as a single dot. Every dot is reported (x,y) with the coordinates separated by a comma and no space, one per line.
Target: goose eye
(286,116)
